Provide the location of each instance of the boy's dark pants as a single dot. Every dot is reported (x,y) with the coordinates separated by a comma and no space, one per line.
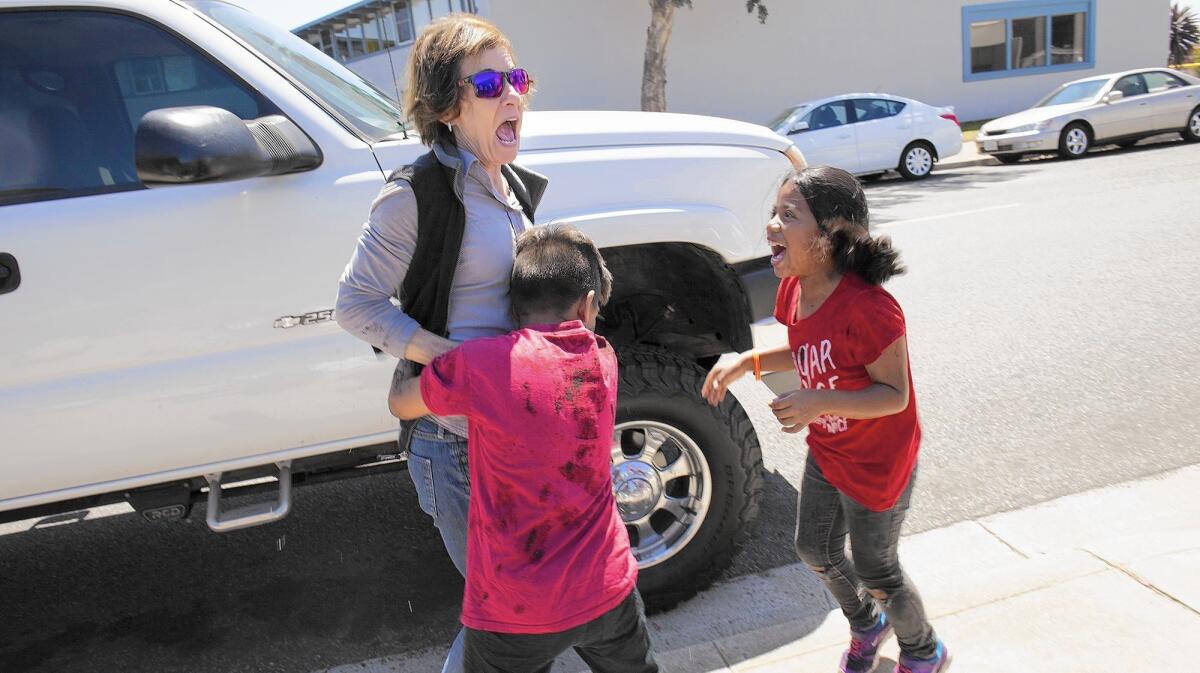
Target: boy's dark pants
(616,642)
(824,518)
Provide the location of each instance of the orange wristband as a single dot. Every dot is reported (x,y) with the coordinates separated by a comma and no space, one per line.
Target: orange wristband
(757,366)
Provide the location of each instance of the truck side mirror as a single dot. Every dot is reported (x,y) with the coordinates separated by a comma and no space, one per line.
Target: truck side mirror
(203,143)
(1113,96)
(798,127)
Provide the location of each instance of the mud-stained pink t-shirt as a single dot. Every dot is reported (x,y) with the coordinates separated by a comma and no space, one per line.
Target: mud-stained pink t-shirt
(546,549)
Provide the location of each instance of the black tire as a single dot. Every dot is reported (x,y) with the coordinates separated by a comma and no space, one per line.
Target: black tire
(659,388)
(916,161)
(1008,158)
(1075,141)
(1191,132)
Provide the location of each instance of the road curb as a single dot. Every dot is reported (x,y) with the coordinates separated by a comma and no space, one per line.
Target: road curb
(981,161)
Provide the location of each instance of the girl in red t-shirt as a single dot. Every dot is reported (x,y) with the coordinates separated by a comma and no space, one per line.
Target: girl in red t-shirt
(846,340)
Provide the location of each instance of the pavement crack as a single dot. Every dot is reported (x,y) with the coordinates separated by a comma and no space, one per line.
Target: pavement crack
(1015,594)
(722,657)
(1006,543)
(1142,581)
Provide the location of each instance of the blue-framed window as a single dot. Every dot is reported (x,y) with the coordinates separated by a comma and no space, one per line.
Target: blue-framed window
(1027,37)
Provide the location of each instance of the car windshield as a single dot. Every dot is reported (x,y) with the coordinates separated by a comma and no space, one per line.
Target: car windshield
(356,101)
(1074,93)
(785,119)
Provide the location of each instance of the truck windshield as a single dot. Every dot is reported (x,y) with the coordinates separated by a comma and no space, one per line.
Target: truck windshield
(356,101)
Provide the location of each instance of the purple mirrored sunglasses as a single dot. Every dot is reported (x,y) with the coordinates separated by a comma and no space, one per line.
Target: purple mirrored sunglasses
(490,83)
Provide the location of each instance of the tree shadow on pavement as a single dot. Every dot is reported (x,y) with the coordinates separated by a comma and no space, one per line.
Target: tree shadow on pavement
(891,192)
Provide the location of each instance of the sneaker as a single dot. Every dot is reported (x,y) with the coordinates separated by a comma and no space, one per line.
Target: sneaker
(863,654)
(939,663)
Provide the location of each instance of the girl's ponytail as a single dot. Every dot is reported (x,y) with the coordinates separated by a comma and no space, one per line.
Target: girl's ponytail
(871,257)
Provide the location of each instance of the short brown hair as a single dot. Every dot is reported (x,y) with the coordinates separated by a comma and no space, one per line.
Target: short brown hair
(555,266)
(432,88)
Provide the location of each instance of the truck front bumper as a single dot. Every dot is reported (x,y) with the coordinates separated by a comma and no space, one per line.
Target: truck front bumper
(760,283)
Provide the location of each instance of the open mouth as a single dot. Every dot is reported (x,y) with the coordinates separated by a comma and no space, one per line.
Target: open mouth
(507,133)
(777,253)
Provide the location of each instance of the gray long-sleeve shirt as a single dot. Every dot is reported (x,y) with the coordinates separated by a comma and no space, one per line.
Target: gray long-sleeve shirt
(479,295)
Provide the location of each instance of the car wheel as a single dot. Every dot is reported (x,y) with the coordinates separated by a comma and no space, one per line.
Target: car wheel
(1008,158)
(1074,142)
(916,162)
(687,476)
(1191,132)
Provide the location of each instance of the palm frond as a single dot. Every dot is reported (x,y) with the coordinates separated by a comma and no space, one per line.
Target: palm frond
(1185,34)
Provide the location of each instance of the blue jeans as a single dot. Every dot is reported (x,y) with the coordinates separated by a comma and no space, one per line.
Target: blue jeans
(437,463)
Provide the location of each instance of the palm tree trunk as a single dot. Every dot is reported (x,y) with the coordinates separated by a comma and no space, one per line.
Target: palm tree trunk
(654,72)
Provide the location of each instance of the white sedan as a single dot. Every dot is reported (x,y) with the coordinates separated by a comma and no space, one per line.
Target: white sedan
(871,133)
(1120,109)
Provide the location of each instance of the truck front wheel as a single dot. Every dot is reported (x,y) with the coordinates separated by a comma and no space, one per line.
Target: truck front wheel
(687,476)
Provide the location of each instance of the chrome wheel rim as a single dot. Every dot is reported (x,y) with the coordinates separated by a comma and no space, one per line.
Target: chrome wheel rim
(1194,125)
(663,488)
(1077,141)
(918,161)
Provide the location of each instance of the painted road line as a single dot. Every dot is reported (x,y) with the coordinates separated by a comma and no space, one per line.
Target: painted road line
(947,215)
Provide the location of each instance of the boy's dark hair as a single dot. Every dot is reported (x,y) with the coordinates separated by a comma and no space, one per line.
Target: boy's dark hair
(554,266)
(837,201)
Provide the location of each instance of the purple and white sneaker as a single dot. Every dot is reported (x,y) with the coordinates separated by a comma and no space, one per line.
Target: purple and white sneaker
(863,653)
(937,664)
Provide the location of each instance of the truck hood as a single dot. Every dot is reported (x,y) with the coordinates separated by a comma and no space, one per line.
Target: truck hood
(565,129)
(575,129)
(1033,116)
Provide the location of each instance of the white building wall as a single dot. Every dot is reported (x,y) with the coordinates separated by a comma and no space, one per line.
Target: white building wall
(721,61)
(583,54)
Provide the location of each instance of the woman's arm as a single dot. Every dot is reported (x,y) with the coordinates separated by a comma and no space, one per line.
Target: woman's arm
(380,261)
(888,394)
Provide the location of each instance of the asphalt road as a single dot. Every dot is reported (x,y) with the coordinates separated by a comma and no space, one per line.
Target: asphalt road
(1053,328)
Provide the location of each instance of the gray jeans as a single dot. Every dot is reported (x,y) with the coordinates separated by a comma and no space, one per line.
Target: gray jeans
(874,580)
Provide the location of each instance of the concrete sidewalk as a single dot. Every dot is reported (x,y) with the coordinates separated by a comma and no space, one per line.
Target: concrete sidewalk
(1106,580)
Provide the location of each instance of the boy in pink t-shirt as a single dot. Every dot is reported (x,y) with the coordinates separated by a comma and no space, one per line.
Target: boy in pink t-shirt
(548,559)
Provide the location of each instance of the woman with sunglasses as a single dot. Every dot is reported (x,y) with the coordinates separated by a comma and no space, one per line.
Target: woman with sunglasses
(440,237)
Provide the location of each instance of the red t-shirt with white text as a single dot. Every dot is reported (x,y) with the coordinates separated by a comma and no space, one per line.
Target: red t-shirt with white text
(546,548)
(870,460)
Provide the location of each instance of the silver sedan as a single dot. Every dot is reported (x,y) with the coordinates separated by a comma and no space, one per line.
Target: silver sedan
(1120,109)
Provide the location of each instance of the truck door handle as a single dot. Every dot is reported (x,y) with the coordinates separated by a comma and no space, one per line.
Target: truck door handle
(10,273)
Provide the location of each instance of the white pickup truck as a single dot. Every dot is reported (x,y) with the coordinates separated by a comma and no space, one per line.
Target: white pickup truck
(167,279)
